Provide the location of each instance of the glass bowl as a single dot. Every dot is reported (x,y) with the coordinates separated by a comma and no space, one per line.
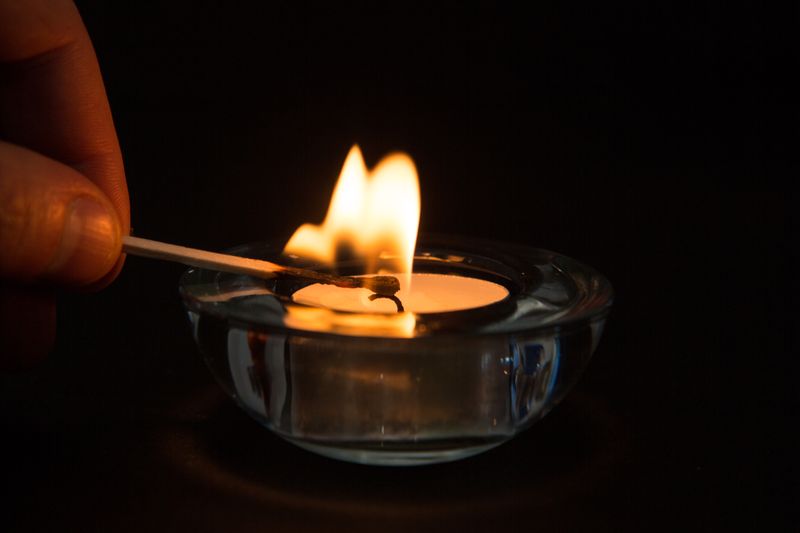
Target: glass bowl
(404,388)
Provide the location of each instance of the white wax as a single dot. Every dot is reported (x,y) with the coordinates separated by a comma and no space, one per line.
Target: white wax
(430,293)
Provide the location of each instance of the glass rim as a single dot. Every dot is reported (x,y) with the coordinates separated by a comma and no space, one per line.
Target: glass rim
(530,274)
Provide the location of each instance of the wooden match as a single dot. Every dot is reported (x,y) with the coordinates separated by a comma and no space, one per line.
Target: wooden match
(381,285)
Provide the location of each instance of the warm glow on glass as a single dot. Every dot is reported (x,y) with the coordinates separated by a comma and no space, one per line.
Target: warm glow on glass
(363,323)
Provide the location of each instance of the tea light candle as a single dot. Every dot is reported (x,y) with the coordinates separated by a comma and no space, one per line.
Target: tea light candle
(429,293)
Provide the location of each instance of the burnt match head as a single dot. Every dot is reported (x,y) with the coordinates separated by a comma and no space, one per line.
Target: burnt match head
(381,285)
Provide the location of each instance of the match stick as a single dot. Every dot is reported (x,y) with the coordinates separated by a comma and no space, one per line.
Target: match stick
(381,285)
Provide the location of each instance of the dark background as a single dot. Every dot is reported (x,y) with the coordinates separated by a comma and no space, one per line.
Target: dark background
(652,143)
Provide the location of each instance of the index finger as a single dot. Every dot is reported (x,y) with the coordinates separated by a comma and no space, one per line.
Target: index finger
(52,98)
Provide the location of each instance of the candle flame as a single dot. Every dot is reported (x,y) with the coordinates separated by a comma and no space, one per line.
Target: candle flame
(373,214)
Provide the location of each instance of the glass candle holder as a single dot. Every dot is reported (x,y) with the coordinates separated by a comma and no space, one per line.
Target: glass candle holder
(402,388)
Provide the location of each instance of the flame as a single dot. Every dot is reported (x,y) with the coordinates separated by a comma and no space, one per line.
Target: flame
(374,214)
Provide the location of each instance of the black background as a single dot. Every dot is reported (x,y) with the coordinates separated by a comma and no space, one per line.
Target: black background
(652,143)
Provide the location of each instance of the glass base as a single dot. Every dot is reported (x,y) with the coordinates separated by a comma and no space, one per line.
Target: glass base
(398,454)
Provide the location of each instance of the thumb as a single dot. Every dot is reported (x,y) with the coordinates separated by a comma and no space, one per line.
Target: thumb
(55,224)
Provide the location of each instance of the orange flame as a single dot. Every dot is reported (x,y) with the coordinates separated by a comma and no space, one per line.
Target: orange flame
(375,214)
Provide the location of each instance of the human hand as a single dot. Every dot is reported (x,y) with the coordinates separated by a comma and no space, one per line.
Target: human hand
(63,197)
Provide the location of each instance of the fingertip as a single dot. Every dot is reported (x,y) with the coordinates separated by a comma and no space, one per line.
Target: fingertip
(90,244)
(56,226)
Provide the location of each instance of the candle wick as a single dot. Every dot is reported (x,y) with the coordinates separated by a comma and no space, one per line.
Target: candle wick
(392,297)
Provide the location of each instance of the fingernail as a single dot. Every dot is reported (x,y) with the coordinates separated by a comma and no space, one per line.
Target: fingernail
(90,242)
